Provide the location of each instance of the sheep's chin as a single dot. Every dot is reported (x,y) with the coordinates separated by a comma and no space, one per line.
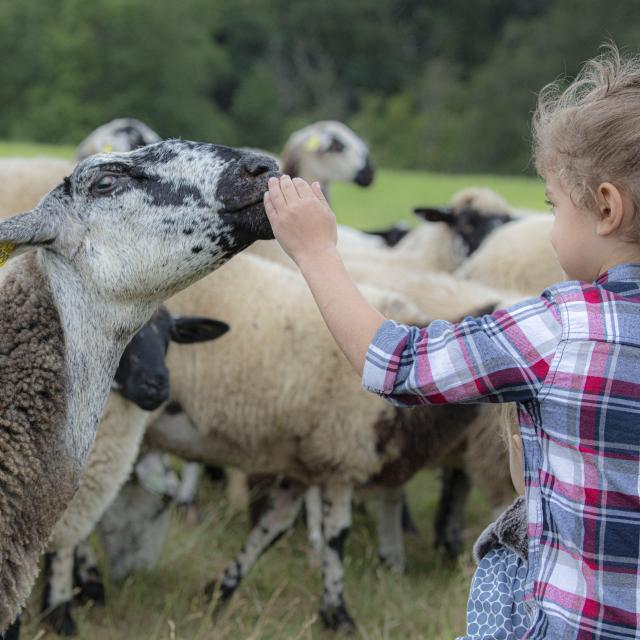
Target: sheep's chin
(250,223)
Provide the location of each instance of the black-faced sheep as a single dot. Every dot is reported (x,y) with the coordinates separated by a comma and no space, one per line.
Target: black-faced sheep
(112,241)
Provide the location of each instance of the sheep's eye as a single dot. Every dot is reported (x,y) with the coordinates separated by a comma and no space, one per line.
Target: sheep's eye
(104,184)
(336,145)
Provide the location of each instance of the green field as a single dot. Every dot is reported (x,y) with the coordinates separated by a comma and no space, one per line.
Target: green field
(279,600)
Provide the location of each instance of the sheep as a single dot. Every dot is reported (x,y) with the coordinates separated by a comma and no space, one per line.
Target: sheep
(141,386)
(24,181)
(518,256)
(448,237)
(326,151)
(268,411)
(70,307)
(121,134)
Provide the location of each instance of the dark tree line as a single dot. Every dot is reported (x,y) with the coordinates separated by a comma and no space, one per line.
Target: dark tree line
(431,84)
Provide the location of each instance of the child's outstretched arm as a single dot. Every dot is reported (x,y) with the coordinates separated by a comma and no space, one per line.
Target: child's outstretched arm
(502,357)
(305,226)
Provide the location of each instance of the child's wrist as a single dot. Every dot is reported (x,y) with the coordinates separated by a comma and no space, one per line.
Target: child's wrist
(313,260)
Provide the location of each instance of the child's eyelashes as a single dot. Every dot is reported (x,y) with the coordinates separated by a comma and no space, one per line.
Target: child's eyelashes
(550,205)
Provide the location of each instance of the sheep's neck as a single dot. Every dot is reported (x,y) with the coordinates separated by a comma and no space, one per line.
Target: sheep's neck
(96,331)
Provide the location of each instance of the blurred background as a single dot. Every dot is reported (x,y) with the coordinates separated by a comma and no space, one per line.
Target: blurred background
(443,86)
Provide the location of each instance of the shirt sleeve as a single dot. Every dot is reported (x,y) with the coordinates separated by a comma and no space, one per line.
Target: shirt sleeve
(502,357)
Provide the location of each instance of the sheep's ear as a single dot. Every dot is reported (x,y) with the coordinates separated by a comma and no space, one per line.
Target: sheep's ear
(187,330)
(436,214)
(48,225)
(25,231)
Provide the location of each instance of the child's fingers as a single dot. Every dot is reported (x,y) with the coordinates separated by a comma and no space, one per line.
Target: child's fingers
(275,195)
(302,187)
(270,210)
(317,190)
(288,190)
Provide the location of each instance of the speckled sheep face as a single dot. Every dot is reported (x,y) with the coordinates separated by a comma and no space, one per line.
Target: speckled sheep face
(155,219)
(330,151)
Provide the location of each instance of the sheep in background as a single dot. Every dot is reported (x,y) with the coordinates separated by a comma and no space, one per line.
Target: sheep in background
(519,256)
(141,386)
(286,425)
(69,309)
(121,134)
(24,181)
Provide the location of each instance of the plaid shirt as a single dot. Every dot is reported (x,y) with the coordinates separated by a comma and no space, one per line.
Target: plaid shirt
(571,360)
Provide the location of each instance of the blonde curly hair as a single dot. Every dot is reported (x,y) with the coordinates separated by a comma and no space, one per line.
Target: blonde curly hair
(589,132)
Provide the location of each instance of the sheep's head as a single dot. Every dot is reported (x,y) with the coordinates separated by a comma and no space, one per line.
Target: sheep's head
(142,376)
(326,151)
(122,134)
(472,215)
(144,224)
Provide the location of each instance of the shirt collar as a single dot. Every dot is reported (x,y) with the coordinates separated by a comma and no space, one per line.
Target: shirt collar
(627,272)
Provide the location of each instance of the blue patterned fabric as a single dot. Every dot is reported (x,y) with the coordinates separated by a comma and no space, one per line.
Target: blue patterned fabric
(496,609)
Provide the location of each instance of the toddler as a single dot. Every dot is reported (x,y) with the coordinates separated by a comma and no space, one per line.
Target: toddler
(569,358)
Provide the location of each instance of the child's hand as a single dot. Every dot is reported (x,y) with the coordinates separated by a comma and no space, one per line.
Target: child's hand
(300,217)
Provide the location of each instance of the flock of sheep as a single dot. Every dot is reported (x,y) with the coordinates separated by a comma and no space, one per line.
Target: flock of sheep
(265,391)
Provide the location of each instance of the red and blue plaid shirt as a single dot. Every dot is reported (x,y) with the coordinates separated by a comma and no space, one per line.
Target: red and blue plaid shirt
(571,360)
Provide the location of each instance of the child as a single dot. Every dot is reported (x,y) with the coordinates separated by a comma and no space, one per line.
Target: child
(570,359)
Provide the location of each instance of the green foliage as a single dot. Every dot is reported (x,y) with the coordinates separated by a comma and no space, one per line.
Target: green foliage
(432,85)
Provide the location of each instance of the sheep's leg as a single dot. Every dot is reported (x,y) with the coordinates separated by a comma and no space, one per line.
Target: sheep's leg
(336,523)
(58,592)
(390,529)
(237,490)
(283,503)
(449,522)
(313,512)
(87,576)
(13,632)
(188,490)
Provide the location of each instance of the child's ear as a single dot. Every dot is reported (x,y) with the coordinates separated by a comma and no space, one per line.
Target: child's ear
(613,207)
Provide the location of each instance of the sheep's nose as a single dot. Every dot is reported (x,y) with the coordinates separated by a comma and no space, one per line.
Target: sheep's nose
(255,166)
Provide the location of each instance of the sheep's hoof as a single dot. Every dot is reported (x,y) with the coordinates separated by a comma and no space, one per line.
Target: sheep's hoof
(450,544)
(61,621)
(91,589)
(337,618)
(394,562)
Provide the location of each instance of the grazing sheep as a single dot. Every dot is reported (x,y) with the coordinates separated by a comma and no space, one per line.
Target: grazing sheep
(111,242)
(121,134)
(141,386)
(305,417)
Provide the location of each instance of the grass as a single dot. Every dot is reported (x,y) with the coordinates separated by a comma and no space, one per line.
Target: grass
(279,600)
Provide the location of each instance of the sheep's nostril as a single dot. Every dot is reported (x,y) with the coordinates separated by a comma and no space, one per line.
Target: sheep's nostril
(256,167)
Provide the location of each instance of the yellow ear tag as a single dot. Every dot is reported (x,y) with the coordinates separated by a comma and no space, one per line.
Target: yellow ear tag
(107,148)
(313,143)
(6,249)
